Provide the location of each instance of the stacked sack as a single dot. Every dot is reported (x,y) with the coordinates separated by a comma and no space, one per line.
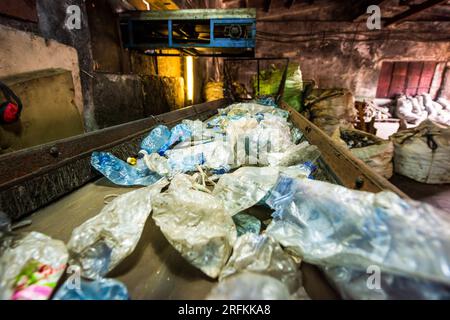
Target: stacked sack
(423,153)
(213,91)
(331,108)
(416,109)
(372,150)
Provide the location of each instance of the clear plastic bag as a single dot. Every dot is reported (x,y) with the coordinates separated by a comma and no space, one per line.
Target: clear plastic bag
(331,225)
(249,286)
(261,254)
(121,173)
(195,224)
(102,242)
(248,186)
(102,289)
(30,266)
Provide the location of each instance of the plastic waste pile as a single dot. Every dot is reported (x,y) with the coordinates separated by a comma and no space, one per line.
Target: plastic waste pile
(349,233)
(416,109)
(209,181)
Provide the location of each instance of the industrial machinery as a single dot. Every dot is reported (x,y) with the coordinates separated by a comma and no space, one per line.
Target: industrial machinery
(197,32)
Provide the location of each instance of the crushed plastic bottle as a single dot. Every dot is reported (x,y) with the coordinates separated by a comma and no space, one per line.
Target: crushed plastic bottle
(156,139)
(101,289)
(179,133)
(30,266)
(195,224)
(246,223)
(261,254)
(249,286)
(102,242)
(121,173)
(331,225)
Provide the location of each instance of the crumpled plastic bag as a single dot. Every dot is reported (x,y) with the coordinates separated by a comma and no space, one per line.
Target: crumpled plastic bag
(253,141)
(101,289)
(246,223)
(31,266)
(120,172)
(245,187)
(301,153)
(331,225)
(114,233)
(248,186)
(261,254)
(195,223)
(249,286)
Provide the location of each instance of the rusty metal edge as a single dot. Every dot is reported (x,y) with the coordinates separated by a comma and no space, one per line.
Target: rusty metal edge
(341,161)
(21,165)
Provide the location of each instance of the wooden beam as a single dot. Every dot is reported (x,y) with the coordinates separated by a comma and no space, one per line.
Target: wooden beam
(412,12)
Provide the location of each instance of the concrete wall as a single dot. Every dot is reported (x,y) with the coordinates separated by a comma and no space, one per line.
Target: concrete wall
(49,112)
(351,63)
(27,53)
(52,16)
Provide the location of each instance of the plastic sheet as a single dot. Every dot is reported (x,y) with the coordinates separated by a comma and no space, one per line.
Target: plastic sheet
(331,225)
(261,254)
(253,141)
(102,242)
(156,139)
(245,187)
(102,289)
(195,223)
(248,186)
(120,172)
(31,266)
(249,286)
(246,223)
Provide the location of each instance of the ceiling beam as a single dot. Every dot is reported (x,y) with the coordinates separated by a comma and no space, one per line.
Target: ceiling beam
(413,11)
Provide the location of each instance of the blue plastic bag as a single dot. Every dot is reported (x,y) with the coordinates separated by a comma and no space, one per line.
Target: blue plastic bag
(120,172)
(102,289)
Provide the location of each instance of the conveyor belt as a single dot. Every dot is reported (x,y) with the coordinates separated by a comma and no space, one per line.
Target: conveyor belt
(155,270)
